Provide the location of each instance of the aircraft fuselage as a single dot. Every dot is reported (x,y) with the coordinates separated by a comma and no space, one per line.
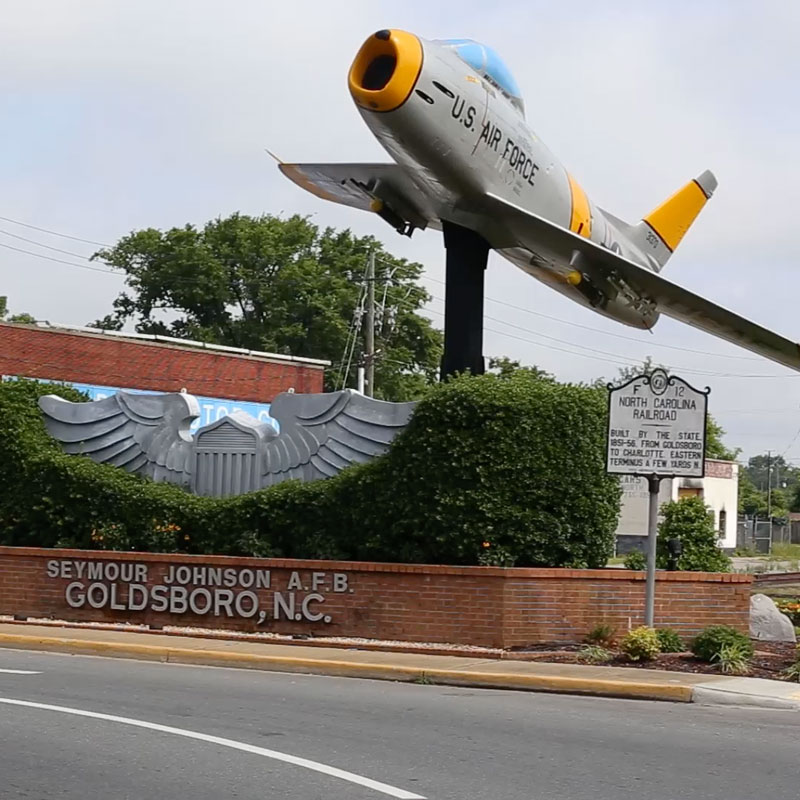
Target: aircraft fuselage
(459,137)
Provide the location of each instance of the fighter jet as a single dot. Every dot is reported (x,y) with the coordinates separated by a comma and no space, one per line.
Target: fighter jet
(465,161)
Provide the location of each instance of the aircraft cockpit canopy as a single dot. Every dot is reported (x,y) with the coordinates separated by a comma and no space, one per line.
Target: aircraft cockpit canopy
(486,62)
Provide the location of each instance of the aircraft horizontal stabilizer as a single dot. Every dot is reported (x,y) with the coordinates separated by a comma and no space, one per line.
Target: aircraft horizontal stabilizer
(559,246)
(382,188)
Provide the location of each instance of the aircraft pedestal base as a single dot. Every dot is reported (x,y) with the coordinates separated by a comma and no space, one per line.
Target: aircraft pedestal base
(467,256)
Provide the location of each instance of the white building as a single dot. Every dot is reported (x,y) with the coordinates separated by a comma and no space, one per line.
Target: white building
(719,490)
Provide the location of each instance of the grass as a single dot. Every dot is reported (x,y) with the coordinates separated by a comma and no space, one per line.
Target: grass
(732,659)
(594,654)
(782,551)
(784,557)
(615,561)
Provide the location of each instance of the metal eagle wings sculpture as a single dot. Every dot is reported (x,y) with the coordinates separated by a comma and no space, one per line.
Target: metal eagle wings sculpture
(149,435)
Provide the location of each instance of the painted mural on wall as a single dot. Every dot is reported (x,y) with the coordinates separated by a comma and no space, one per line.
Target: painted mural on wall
(150,435)
(211,408)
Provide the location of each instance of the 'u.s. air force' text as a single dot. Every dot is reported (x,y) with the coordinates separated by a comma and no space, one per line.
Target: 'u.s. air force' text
(491,138)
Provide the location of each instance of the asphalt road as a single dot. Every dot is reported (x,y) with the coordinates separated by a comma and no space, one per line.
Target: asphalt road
(441,743)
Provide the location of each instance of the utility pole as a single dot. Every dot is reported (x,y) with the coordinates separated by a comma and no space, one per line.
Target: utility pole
(769,487)
(769,495)
(369,350)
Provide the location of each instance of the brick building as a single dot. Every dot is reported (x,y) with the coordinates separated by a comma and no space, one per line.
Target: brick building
(719,490)
(112,359)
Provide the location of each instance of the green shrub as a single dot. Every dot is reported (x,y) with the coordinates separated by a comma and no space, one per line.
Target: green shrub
(733,658)
(489,470)
(792,672)
(709,643)
(689,519)
(603,634)
(514,462)
(640,644)
(635,560)
(669,641)
(594,654)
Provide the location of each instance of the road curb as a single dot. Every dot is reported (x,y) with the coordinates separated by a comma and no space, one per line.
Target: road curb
(640,690)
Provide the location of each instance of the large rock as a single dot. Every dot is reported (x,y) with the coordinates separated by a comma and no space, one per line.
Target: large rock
(767,623)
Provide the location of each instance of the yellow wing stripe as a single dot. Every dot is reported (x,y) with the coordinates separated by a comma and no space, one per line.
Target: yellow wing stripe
(581,215)
(674,217)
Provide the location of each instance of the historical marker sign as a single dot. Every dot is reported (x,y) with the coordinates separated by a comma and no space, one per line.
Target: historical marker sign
(657,429)
(657,426)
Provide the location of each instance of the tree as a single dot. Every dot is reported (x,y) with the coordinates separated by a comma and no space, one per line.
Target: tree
(752,501)
(768,469)
(625,374)
(497,471)
(761,472)
(690,520)
(279,285)
(504,367)
(24,317)
(715,447)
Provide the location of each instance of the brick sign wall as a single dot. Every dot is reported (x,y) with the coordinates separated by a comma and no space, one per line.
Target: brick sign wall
(61,355)
(466,605)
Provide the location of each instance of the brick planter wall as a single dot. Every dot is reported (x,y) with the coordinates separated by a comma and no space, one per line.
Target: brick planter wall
(467,605)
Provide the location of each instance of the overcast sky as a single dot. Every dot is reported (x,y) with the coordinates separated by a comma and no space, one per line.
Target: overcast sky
(121,115)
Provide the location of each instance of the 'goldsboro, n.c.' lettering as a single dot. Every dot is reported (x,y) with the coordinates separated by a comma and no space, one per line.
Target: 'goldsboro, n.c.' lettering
(214,591)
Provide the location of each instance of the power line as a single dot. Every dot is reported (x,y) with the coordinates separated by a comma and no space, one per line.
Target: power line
(46,246)
(789,446)
(600,330)
(617,362)
(54,233)
(618,358)
(692,370)
(58,260)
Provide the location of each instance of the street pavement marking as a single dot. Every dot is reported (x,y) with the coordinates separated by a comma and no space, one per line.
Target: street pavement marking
(316,766)
(21,671)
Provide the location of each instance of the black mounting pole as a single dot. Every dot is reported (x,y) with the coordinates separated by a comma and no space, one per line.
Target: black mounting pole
(467,256)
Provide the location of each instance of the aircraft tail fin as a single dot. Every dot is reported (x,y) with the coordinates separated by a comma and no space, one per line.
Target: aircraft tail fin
(661,231)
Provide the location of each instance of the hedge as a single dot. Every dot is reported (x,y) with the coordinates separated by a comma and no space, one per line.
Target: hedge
(492,470)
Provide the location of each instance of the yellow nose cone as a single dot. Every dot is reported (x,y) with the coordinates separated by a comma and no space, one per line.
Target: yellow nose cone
(385,70)
(574,277)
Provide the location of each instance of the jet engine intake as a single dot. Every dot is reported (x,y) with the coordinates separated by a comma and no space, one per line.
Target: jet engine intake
(385,70)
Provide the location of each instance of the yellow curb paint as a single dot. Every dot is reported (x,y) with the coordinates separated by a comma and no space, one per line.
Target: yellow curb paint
(546,683)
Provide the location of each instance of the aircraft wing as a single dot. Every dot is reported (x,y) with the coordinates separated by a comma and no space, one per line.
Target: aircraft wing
(358,185)
(551,242)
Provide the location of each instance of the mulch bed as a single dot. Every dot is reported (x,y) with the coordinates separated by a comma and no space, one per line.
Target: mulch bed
(769,661)
(770,658)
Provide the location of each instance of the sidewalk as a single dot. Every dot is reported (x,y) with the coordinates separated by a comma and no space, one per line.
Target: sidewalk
(422,668)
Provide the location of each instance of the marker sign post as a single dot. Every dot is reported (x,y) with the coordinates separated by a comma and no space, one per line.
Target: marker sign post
(656,429)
